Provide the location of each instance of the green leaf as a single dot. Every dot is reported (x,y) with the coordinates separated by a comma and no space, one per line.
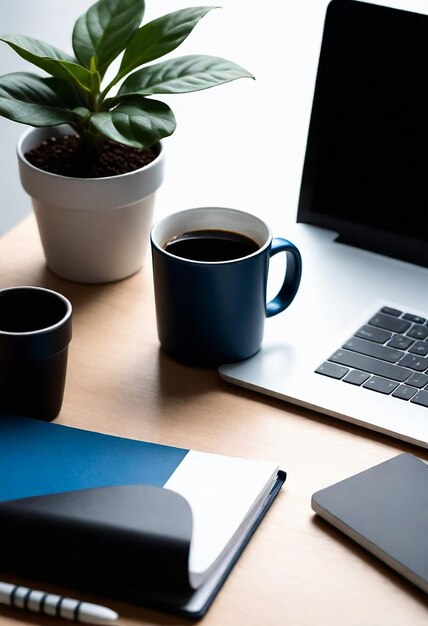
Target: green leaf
(160,36)
(182,75)
(29,99)
(105,30)
(48,58)
(82,113)
(66,92)
(138,123)
(30,46)
(30,88)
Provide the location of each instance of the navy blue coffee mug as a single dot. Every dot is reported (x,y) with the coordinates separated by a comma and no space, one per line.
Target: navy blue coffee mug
(213,311)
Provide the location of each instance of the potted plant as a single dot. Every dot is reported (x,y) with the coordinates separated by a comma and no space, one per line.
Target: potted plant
(95,158)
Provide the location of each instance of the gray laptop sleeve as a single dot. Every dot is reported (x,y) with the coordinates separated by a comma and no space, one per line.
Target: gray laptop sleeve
(384,509)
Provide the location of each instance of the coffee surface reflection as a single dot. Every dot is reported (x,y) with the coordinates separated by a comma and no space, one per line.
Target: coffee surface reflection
(212,246)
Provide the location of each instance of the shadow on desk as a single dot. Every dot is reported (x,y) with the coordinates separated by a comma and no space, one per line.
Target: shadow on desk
(81,294)
(322,418)
(141,615)
(180,381)
(125,611)
(362,554)
(150,617)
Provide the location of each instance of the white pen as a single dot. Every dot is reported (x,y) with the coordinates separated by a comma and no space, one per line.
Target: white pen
(57,606)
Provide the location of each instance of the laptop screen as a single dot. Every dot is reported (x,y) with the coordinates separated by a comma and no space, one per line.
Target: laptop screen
(365,174)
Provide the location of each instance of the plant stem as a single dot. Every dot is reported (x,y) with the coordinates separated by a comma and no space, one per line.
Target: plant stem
(115,80)
(91,142)
(90,139)
(105,91)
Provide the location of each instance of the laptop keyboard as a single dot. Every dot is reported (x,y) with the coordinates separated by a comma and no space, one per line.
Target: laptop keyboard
(388,355)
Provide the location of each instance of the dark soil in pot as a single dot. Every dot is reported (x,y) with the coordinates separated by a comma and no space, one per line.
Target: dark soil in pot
(62,155)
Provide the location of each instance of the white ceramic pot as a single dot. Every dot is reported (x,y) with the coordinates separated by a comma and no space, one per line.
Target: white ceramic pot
(93,230)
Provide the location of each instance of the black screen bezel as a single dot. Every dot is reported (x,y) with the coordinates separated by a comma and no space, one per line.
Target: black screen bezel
(340,14)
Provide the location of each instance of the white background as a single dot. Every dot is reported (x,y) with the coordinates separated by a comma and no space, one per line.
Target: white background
(239,145)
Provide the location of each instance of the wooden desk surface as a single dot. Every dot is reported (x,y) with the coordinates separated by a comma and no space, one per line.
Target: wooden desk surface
(296,570)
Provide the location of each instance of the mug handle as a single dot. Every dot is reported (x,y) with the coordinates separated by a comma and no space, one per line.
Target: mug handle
(292,276)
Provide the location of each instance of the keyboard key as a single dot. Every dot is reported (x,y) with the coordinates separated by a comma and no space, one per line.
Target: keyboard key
(375,334)
(381,385)
(417,380)
(417,332)
(400,342)
(388,322)
(331,370)
(392,348)
(373,349)
(420,347)
(417,363)
(404,392)
(420,398)
(414,318)
(356,378)
(390,311)
(368,364)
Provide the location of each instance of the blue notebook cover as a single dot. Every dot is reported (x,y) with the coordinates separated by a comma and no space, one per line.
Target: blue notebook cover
(39,458)
(59,483)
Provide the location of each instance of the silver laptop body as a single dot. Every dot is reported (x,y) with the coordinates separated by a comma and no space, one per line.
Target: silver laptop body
(363,233)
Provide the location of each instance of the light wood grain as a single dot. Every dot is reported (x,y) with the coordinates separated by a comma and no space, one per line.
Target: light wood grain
(296,570)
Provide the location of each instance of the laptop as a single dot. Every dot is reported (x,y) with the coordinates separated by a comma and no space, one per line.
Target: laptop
(354,343)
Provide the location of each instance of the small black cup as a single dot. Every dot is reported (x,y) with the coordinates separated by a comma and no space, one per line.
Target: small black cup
(35,330)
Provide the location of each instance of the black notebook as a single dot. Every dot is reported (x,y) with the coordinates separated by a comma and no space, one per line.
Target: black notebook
(384,509)
(142,522)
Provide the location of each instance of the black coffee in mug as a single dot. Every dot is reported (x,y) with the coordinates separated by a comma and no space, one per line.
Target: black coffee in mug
(211,245)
